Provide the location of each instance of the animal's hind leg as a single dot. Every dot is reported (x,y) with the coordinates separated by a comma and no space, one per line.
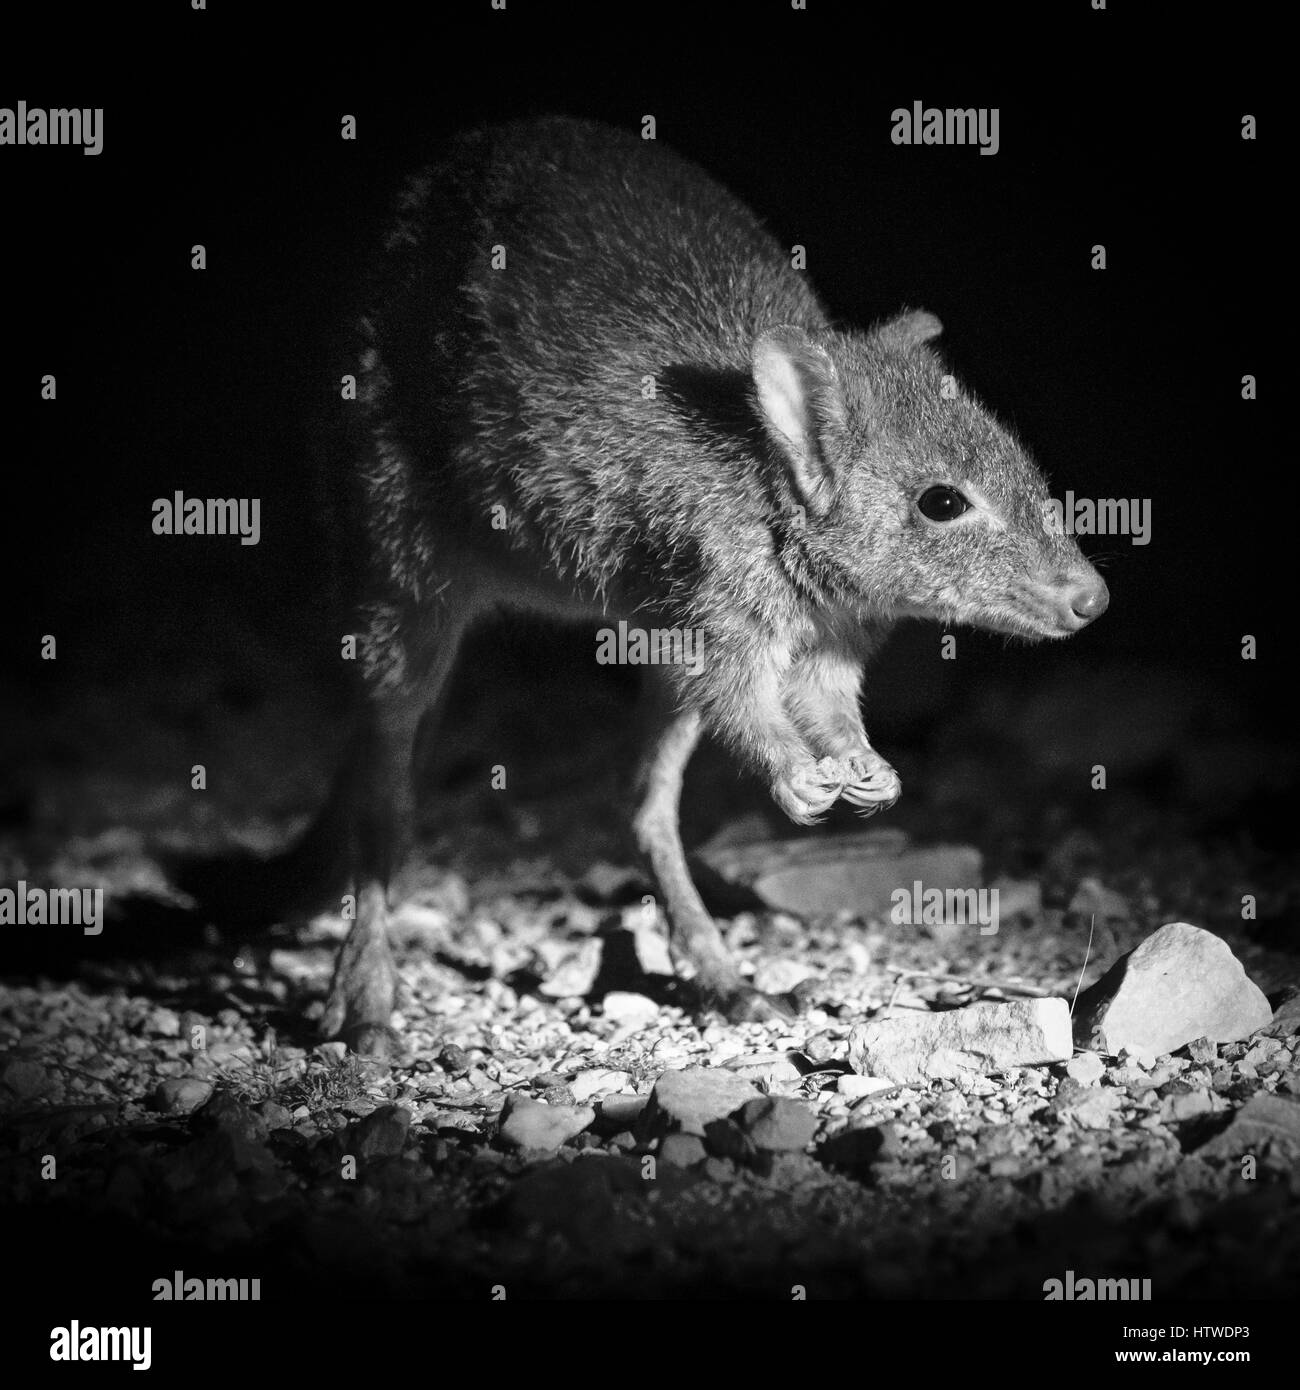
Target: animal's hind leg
(402,687)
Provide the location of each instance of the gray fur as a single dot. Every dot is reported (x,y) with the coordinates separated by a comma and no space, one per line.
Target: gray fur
(765,494)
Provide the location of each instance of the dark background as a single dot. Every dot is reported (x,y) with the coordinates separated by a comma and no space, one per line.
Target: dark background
(222,128)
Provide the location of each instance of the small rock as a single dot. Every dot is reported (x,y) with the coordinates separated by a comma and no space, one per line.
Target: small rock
(621,1112)
(651,945)
(781,976)
(531,1124)
(687,1100)
(769,1069)
(382,1134)
(1202,1050)
(630,1010)
(163,1023)
(823,1046)
(781,1126)
(681,1150)
(856,1148)
(597,1082)
(1086,1068)
(1093,899)
(181,1095)
(1264,1125)
(1262,1051)
(604,882)
(984,1038)
(1018,897)
(275,1115)
(417,924)
(717,1169)
(576,973)
(726,1139)
(856,1087)
(1181,983)
(1286,1020)
(228,1114)
(1185,1103)
(1091,1108)
(26,1079)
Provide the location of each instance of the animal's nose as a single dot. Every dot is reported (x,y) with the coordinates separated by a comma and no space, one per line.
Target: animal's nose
(1089,599)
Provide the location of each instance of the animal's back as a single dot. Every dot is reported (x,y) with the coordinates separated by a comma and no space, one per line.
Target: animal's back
(538,276)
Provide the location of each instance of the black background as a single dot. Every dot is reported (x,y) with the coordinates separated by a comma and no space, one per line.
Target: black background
(222,128)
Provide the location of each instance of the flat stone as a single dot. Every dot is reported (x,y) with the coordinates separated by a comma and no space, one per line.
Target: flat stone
(597,1082)
(1180,984)
(857,871)
(629,1009)
(1264,1124)
(982,1038)
(532,1124)
(857,1087)
(1287,1018)
(686,1101)
(782,1126)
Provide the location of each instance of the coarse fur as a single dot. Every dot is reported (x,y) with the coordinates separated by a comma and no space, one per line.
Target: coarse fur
(592,385)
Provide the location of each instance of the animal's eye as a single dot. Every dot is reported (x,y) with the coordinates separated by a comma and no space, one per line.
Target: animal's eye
(942,503)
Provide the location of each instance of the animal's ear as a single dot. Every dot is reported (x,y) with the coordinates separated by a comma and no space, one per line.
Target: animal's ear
(910,329)
(801,406)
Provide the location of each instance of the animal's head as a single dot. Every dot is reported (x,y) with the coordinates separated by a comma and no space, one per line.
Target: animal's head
(913,501)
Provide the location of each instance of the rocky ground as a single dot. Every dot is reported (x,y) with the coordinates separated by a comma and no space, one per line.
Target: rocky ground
(564,1124)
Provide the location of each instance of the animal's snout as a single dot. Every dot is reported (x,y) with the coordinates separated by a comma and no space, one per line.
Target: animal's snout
(1084,599)
(1090,600)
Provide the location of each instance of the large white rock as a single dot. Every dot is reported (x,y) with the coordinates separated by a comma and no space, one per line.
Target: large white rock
(982,1038)
(1181,983)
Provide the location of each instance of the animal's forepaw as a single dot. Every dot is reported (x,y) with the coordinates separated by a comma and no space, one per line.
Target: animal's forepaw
(806,791)
(872,785)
